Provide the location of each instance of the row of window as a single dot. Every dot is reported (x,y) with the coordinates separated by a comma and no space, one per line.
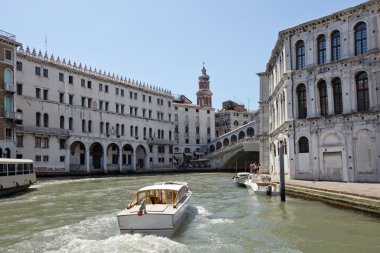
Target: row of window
(360,44)
(362,96)
(303,147)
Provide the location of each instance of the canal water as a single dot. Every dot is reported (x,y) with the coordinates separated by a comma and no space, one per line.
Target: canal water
(79,215)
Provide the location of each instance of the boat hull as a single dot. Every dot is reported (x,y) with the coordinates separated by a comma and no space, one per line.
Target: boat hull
(10,185)
(267,189)
(162,220)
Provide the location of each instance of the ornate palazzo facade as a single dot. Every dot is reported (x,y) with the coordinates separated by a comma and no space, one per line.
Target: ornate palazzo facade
(320,98)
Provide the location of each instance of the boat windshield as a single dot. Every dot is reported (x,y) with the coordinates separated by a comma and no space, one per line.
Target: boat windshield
(153,197)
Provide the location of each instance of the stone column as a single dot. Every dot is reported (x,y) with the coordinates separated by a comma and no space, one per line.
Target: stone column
(67,159)
(311,111)
(105,161)
(87,159)
(330,99)
(120,159)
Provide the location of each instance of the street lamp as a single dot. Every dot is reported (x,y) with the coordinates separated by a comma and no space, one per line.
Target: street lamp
(282,172)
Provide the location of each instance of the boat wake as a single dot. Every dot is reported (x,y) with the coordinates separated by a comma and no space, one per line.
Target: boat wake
(95,234)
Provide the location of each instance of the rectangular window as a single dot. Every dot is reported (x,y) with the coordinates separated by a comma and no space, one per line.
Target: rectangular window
(19,66)
(71,79)
(61,97)
(135,96)
(82,83)
(38,71)
(20,141)
(83,101)
(100,87)
(130,110)
(100,105)
(106,105)
(186,109)
(169,104)
(38,158)
(175,117)
(122,92)
(143,112)
(122,109)
(117,91)
(143,96)
(46,158)
(37,142)
(62,143)
(8,55)
(150,99)
(38,93)
(61,77)
(150,114)
(158,101)
(106,88)
(71,98)
(62,158)
(46,72)
(117,108)
(45,143)
(19,89)
(89,101)
(130,94)
(89,84)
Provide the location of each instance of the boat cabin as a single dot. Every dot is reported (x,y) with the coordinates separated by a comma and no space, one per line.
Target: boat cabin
(159,194)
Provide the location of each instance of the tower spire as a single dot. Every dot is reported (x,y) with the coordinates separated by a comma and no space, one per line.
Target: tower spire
(204,94)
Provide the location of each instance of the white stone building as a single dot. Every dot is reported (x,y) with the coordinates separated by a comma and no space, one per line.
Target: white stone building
(74,118)
(320,98)
(194,125)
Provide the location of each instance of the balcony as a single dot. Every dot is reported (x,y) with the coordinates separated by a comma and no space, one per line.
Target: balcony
(160,141)
(42,130)
(9,87)
(9,114)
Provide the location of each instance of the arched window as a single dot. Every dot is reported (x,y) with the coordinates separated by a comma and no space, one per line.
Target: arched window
(38,119)
(46,120)
(362,91)
(83,125)
(150,132)
(122,129)
(300,54)
(89,126)
(360,38)
(62,122)
(302,101)
(303,145)
(107,128)
(335,46)
(321,42)
(323,99)
(197,130)
(101,127)
(8,77)
(71,123)
(131,130)
(208,130)
(236,123)
(337,93)
(162,134)
(170,135)
(187,129)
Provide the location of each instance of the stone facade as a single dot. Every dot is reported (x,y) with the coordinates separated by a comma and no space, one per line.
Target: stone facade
(74,118)
(320,98)
(231,117)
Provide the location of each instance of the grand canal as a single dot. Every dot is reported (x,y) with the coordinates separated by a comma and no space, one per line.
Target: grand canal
(79,215)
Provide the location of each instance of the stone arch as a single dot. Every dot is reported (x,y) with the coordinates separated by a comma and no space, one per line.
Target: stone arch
(233,139)
(141,156)
(226,142)
(212,148)
(96,156)
(331,137)
(77,156)
(218,145)
(113,156)
(250,131)
(127,157)
(7,153)
(241,135)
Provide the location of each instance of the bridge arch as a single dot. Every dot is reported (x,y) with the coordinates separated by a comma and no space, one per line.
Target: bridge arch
(226,142)
(241,135)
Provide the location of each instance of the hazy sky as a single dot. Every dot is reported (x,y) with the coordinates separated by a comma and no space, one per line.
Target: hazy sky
(164,42)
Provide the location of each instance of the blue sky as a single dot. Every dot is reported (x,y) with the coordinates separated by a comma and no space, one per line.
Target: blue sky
(164,42)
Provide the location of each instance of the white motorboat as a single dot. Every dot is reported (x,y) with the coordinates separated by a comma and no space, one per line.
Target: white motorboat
(240,178)
(156,209)
(15,175)
(262,185)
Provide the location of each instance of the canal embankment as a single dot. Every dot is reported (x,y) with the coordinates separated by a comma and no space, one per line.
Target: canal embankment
(363,197)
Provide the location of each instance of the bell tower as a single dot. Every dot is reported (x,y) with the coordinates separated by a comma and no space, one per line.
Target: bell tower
(204,94)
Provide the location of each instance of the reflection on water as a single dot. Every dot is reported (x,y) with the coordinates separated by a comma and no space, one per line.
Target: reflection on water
(80,216)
